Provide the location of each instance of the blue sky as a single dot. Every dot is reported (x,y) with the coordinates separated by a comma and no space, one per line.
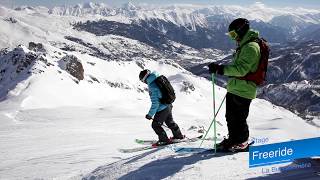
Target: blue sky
(315,4)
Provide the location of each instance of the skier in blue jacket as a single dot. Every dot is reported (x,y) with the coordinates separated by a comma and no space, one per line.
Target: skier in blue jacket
(159,112)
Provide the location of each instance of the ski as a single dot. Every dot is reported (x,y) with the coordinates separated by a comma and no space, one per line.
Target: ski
(208,150)
(132,150)
(145,142)
(150,146)
(149,142)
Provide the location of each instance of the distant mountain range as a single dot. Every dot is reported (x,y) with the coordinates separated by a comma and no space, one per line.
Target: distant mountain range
(277,25)
(190,35)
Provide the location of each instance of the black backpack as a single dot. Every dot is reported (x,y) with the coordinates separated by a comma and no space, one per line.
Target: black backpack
(168,95)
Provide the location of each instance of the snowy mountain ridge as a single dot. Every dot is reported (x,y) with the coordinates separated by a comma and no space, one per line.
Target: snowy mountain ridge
(118,37)
(257,11)
(29,75)
(82,117)
(189,15)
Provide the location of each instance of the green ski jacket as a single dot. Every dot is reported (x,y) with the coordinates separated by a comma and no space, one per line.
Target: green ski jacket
(245,60)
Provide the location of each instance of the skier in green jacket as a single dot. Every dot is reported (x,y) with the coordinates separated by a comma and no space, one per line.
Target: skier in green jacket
(240,92)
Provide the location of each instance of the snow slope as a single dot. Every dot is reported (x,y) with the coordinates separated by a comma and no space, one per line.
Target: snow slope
(55,126)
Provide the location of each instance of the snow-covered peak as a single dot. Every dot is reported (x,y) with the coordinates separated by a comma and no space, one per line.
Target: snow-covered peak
(256,11)
(191,16)
(89,5)
(129,6)
(89,8)
(30,9)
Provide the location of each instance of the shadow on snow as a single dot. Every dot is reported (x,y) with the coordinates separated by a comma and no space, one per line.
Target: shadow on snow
(162,167)
(166,167)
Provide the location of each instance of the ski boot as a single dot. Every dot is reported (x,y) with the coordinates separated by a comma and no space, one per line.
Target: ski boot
(177,139)
(241,147)
(161,143)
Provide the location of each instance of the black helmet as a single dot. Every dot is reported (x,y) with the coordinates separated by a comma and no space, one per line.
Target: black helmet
(240,26)
(144,74)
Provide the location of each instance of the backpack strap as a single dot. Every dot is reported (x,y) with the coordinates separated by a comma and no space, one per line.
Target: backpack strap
(257,40)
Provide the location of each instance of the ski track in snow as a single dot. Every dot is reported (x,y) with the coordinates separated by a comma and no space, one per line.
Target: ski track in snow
(65,142)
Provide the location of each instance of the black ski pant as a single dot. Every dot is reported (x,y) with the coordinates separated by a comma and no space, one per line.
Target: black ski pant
(165,116)
(237,110)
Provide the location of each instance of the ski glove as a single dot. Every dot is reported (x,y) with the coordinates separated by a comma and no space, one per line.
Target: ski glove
(215,68)
(148,117)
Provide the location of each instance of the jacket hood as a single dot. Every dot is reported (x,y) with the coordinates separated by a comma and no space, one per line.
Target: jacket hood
(153,76)
(249,35)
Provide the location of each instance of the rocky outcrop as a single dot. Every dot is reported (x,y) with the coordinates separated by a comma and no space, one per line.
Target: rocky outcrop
(36,47)
(187,87)
(18,64)
(11,20)
(73,66)
(14,62)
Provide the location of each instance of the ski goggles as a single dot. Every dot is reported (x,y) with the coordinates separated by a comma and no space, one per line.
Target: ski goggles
(233,35)
(145,77)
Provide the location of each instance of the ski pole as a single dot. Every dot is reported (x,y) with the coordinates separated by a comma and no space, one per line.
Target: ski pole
(213,120)
(214,112)
(215,116)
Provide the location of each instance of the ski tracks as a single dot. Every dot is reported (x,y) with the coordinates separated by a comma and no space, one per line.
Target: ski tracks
(165,164)
(154,164)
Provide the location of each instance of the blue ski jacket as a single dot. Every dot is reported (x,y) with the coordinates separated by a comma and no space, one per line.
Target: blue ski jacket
(155,95)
